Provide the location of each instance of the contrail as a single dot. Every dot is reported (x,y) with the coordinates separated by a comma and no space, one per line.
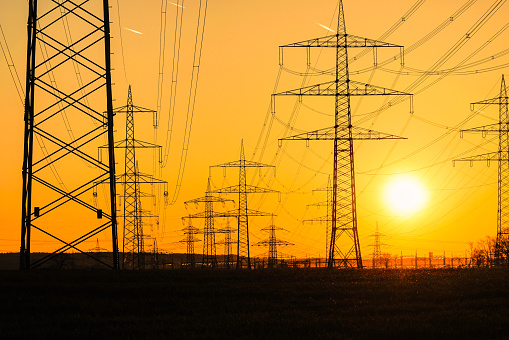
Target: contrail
(132,30)
(177,5)
(327,28)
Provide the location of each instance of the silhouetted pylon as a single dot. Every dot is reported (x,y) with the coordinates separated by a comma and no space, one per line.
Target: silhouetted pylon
(132,179)
(243,213)
(502,158)
(209,233)
(377,251)
(342,133)
(190,231)
(228,242)
(63,122)
(272,242)
(327,218)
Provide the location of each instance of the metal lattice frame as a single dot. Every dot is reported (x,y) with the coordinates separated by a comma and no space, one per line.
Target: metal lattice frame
(343,214)
(243,213)
(227,241)
(502,157)
(132,179)
(67,119)
(209,233)
(272,243)
(132,241)
(190,231)
(327,218)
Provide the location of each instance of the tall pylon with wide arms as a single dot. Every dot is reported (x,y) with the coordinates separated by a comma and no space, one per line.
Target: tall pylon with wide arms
(342,133)
(132,180)
(243,213)
(209,233)
(502,157)
(68,114)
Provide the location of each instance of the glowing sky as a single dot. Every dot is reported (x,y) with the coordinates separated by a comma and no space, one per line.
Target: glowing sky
(239,67)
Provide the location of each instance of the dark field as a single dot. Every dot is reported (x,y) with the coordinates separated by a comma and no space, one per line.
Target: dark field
(261,304)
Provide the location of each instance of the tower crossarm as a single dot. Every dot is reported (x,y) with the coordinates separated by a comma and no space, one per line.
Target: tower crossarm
(267,242)
(492,129)
(487,157)
(209,199)
(141,179)
(248,189)
(242,163)
(493,101)
(321,219)
(332,41)
(318,204)
(122,144)
(248,212)
(331,133)
(355,88)
(124,109)
(204,214)
(190,239)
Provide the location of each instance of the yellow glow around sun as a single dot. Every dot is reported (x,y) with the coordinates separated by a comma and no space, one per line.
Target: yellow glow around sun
(405,195)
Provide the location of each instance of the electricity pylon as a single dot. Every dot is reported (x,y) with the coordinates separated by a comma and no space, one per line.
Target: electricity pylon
(243,213)
(190,231)
(377,251)
(342,133)
(66,120)
(132,179)
(327,218)
(209,233)
(228,242)
(502,157)
(272,242)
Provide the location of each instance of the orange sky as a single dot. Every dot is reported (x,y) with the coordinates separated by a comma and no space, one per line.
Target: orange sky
(238,70)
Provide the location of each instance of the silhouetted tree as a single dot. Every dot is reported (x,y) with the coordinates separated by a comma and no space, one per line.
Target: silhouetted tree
(483,252)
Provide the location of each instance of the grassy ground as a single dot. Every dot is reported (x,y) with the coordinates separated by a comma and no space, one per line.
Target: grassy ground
(261,304)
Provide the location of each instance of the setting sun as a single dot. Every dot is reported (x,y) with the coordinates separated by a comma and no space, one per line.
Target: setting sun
(405,196)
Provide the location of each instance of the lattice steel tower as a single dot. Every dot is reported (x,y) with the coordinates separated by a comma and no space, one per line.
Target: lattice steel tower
(342,133)
(209,233)
(228,242)
(65,121)
(190,231)
(132,179)
(377,249)
(327,218)
(502,157)
(272,243)
(243,213)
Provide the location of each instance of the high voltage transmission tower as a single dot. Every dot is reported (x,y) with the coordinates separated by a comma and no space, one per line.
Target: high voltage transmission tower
(190,231)
(209,233)
(64,123)
(243,213)
(342,133)
(132,179)
(272,243)
(377,251)
(502,157)
(327,218)
(228,242)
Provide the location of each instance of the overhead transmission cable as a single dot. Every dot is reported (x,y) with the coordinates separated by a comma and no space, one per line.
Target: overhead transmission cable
(192,95)
(174,78)
(121,42)
(12,68)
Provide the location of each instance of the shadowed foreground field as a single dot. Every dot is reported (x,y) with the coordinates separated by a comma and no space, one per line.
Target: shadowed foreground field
(261,304)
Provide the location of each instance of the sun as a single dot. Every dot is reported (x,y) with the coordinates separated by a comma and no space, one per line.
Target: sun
(405,195)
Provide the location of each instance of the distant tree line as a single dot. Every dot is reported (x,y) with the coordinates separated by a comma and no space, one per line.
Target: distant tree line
(483,252)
